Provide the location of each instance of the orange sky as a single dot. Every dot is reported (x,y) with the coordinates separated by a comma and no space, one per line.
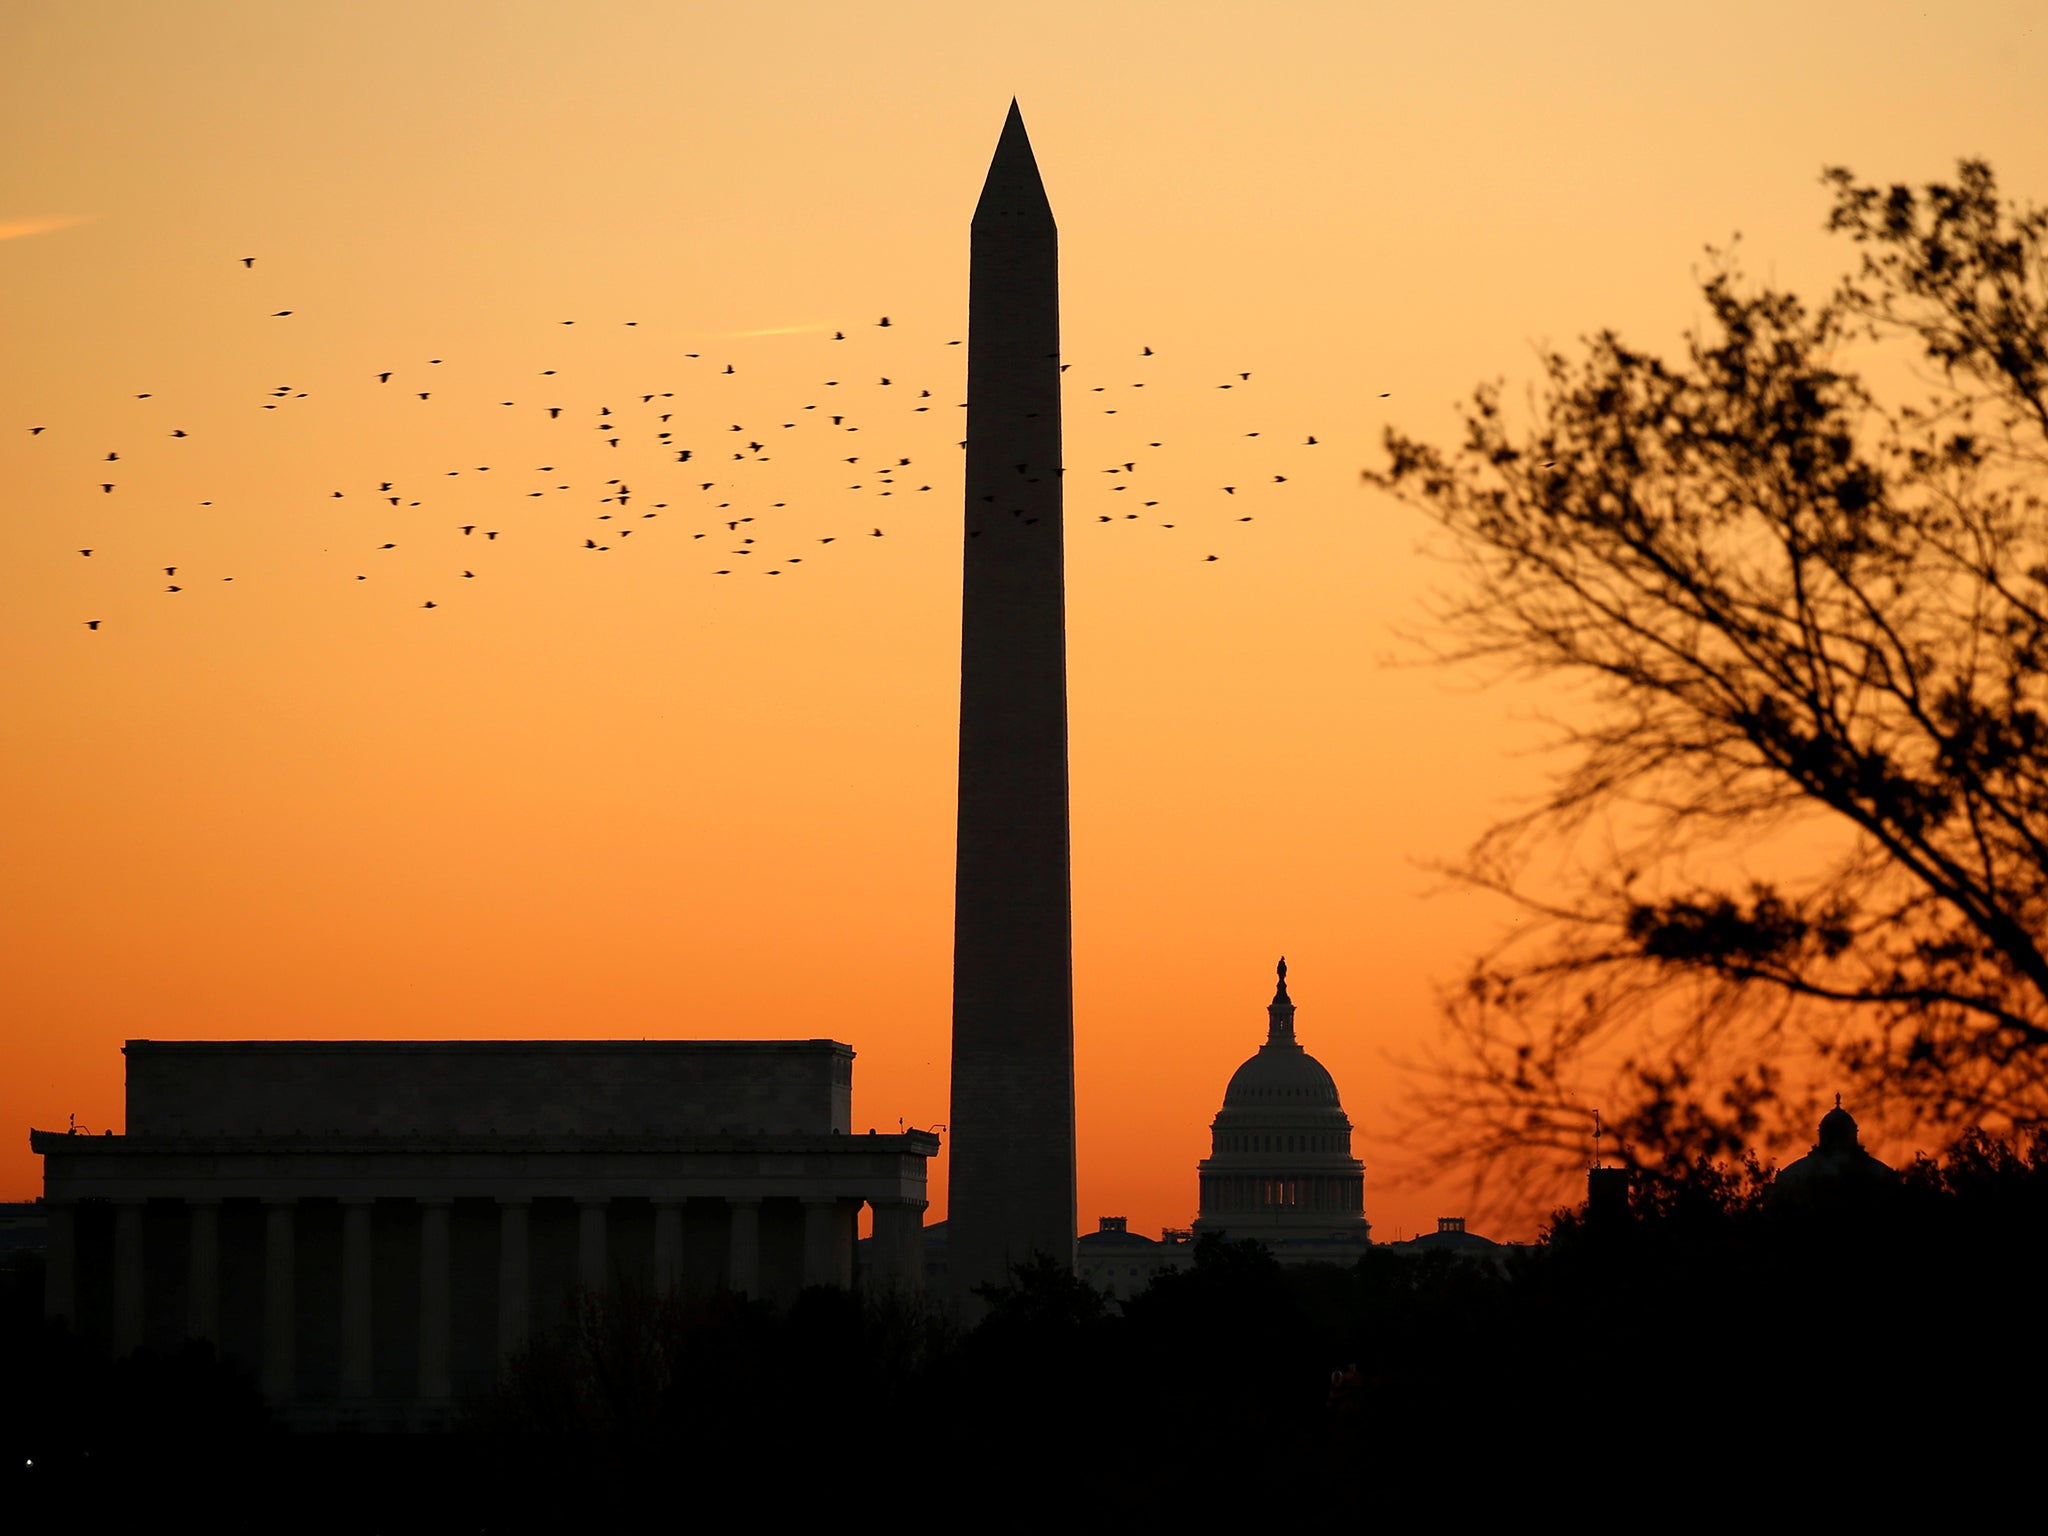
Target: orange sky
(605,792)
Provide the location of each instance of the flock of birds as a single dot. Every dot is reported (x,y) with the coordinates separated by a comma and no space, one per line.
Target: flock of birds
(712,478)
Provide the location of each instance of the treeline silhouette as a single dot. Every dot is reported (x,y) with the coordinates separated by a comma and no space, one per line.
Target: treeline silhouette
(1711,1350)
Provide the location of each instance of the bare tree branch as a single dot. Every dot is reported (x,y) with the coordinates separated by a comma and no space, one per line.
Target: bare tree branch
(1795,608)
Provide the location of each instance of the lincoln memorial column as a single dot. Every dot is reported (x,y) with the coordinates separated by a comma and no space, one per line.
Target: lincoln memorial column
(668,1247)
(899,1242)
(202,1270)
(513,1304)
(355,1299)
(818,1218)
(743,1260)
(60,1271)
(434,1322)
(280,1324)
(127,1277)
(590,1236)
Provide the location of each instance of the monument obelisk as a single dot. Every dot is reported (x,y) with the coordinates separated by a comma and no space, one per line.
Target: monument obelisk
(1012,1118)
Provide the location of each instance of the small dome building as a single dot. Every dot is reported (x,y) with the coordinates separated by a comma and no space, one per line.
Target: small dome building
(1837,1166)
(1280,1167)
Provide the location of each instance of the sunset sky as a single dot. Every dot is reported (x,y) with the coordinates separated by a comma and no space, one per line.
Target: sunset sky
(599,790)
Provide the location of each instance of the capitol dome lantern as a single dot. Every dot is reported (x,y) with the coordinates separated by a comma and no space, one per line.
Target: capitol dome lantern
(1280,1167)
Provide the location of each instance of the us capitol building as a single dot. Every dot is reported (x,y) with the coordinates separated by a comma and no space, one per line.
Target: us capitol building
(1280,1167)
(1279,1170)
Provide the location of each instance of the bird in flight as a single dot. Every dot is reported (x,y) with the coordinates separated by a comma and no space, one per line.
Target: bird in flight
(248,261)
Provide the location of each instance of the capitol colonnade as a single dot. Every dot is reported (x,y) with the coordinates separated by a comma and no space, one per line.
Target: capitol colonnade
(1225,1194)
(370,1275)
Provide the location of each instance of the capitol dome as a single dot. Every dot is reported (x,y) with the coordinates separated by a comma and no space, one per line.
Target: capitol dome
(1282,1074)
(1280,1167)
(1837,1167)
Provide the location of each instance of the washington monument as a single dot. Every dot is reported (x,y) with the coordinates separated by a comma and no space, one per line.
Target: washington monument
(1012,1193)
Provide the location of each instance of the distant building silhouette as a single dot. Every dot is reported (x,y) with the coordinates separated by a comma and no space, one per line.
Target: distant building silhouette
(373,1226)
(1606,1196)
(1836,1168)
(1279,1172)
(1120,1263)
(1451,1237)
(1280,1167)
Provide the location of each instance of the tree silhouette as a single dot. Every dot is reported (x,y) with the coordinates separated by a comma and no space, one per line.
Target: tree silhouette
(1802,830)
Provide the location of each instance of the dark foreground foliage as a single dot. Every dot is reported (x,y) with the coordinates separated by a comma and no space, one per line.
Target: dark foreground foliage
(1710,1355)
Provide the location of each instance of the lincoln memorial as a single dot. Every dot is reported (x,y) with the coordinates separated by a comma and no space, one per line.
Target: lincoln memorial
(373,1226)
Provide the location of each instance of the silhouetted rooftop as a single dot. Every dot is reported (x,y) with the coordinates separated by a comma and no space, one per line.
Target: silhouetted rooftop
(1837,1160)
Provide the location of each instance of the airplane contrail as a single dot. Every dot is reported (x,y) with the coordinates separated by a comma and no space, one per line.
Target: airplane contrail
(16,229)
(776,330)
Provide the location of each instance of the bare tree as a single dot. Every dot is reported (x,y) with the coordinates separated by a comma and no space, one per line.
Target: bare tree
(1809,628)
